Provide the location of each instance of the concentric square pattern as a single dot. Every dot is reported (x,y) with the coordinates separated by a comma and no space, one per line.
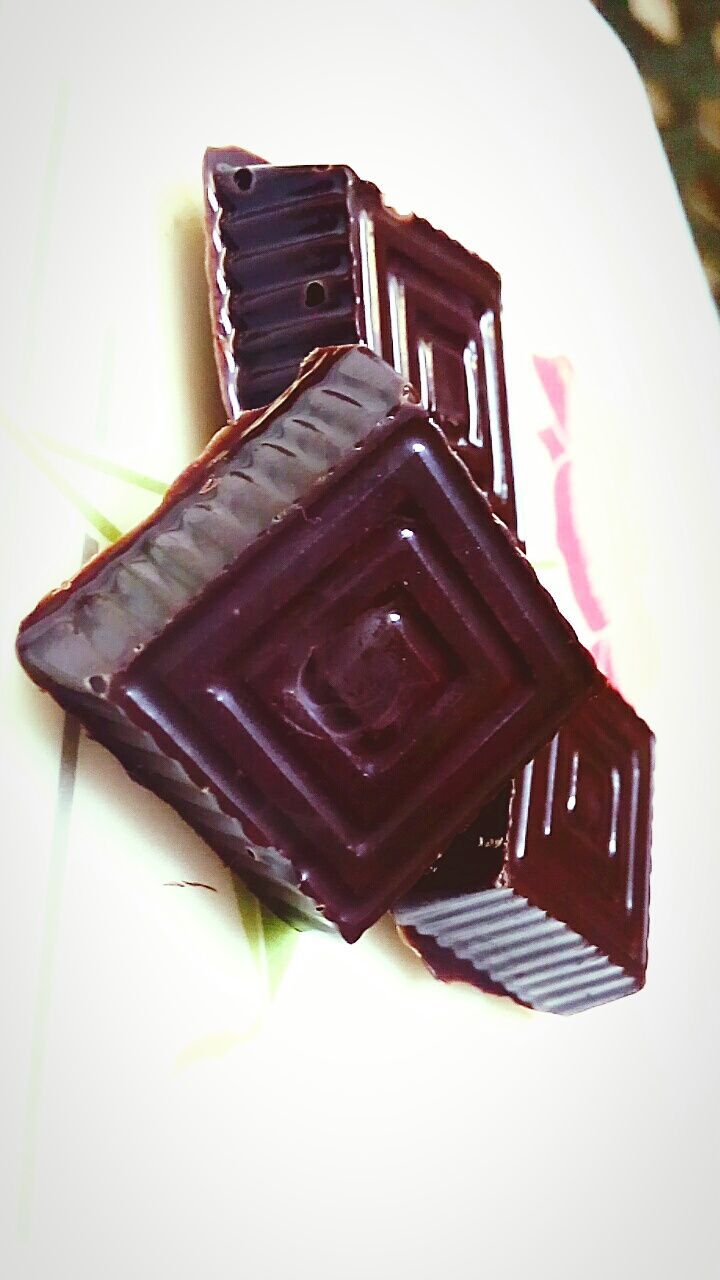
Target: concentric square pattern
(380,665)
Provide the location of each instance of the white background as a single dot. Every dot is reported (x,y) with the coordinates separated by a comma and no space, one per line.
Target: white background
(373,1123)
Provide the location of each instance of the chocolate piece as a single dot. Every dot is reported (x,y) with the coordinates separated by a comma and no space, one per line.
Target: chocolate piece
(323,650)
(303,256)
(555,910)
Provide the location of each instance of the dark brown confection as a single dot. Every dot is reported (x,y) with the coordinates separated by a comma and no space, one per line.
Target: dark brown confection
(323,650)
(546,896)
(304,256)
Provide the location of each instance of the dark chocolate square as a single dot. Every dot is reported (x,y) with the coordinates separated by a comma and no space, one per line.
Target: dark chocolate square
(554,909)
(331,636)
(301,256)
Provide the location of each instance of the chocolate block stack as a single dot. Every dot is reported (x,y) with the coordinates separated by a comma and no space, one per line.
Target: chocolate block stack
(326,648)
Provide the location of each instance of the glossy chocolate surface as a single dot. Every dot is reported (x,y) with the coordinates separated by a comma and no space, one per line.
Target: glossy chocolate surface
(325,651)
(556,910)
(303,256)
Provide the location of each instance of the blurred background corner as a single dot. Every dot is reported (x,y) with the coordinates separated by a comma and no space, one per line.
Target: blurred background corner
(676,47)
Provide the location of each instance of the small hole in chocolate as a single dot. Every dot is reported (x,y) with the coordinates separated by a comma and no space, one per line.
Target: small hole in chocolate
(243,179)
(314,294)
(98,684)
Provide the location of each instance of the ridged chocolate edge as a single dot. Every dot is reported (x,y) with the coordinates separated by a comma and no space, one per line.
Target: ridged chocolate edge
(501,936)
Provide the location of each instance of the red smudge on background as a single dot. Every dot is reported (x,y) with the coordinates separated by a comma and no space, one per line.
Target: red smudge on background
(555,374)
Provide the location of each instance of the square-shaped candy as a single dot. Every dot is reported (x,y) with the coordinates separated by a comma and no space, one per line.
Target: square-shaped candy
(302,256)
(323,648)
(546,896)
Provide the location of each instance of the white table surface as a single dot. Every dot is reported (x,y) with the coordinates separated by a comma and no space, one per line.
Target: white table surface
(160,1117)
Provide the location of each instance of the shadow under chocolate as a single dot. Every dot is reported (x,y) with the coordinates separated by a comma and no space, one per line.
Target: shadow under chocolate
(386,939)
(206,412)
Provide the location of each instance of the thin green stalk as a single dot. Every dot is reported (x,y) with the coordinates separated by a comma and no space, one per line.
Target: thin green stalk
(104,465)
(91,514)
